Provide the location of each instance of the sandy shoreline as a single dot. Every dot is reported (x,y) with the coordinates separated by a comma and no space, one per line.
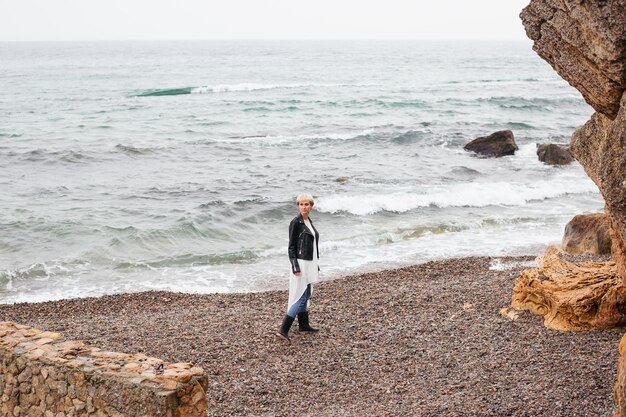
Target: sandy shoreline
(426,340)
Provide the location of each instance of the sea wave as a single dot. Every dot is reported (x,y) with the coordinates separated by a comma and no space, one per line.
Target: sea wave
(423,136)
(42,271)
(72,267)
(517,102)
(191,259)
(226,88)
(72,156)
(512,125)
(457,173)
(132,150)
(166,92)
(385,238)
(273,140)
(384,103)
(409,136)
(534,103)
(477,194)
(504,80)
(409,234)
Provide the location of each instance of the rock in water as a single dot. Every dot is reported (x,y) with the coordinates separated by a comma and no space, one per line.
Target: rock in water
(497,144)
(554,154)
(587,234)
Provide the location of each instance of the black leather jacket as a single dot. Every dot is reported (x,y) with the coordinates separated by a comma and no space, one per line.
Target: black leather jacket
(301,242)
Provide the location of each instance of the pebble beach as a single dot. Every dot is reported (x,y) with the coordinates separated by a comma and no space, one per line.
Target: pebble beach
(426,340)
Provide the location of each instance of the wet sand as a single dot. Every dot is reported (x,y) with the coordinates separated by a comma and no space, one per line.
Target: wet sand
(426,340)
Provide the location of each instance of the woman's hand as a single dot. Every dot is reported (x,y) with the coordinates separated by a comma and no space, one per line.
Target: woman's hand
(297,273)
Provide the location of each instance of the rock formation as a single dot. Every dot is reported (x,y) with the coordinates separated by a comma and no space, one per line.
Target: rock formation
(554,154)
(585,42)
(600,146)
(587,234)
(569,295)
(497,144)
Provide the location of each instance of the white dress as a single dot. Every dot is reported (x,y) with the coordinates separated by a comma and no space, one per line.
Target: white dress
(309,273)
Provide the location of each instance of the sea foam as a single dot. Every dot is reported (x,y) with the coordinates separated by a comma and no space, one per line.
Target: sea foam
(475,194)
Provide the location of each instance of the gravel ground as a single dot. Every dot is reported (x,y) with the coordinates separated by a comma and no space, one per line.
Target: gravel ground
(426,340)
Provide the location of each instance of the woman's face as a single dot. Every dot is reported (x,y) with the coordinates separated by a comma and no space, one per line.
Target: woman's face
(305,208)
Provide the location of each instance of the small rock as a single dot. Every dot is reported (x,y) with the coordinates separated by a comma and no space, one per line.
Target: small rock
(554,154)
(511,314)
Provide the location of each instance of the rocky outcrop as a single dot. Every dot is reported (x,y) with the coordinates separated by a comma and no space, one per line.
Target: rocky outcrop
(497,144)
(600,146)
(571,295)
(554,154)
(41,374)
(587,234)
(585,42)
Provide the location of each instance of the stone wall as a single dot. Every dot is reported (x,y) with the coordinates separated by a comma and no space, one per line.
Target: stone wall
(41,374)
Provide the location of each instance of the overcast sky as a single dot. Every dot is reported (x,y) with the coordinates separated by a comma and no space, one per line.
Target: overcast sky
(53,20)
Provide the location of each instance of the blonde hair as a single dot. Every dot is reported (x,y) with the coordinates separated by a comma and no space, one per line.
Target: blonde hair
(305,197)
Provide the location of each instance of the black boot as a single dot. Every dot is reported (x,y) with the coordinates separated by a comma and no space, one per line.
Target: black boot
(303,323)
(284,328)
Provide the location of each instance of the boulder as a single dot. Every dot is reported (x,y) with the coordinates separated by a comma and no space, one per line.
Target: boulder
(497,144)
(571,295)
(587,234)
(554,154)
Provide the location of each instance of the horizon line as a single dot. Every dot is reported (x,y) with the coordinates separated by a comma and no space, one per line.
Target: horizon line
(272,40)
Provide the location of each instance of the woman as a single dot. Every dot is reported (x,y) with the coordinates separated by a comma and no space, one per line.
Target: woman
(303,255)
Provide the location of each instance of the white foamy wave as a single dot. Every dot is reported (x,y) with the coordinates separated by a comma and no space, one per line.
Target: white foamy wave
(225,88)
(454,195)
(283,139)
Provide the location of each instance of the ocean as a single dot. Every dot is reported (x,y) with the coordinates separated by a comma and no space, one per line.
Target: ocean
(133,166)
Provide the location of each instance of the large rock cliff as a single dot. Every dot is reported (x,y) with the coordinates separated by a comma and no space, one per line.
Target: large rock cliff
(585,42)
